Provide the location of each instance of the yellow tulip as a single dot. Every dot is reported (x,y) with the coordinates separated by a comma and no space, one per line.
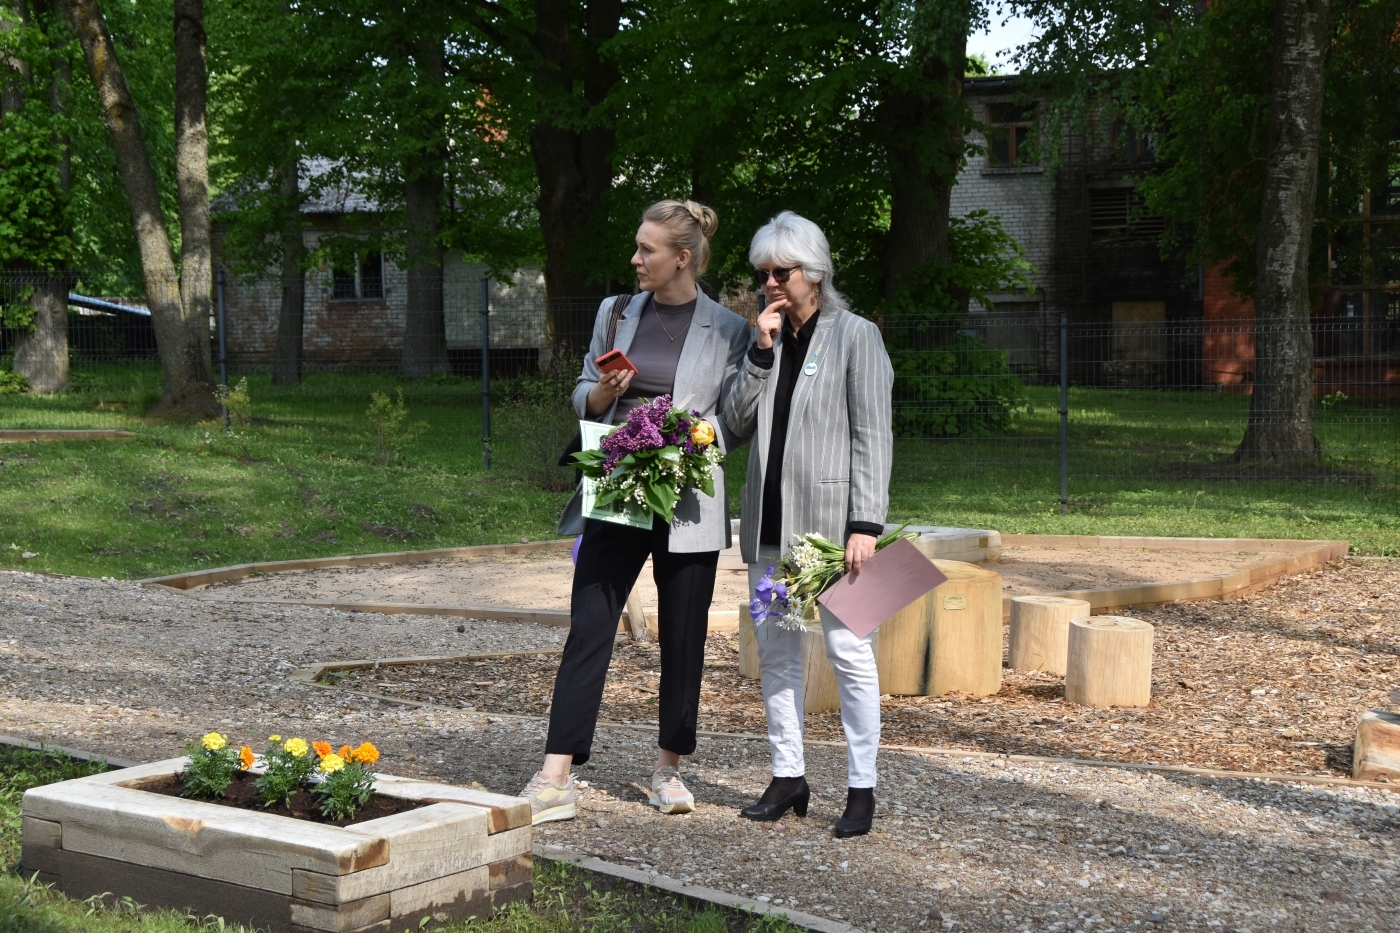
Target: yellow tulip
(702,434)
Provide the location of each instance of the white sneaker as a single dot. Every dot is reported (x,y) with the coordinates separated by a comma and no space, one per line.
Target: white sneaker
(668,794)
(548,801)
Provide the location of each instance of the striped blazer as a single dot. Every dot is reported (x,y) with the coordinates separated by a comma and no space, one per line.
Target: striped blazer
(840,440)
(714,348)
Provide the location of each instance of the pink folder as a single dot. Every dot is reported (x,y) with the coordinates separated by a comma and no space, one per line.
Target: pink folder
(896,576)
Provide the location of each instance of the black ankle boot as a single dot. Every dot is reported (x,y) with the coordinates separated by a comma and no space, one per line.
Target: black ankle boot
(860,812)
(783,794)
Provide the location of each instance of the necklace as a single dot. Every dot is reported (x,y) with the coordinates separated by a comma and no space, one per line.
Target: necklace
(661,319)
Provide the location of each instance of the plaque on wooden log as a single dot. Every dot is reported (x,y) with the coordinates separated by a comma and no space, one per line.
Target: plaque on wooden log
(949,639)
(1040,631)
(1109,662)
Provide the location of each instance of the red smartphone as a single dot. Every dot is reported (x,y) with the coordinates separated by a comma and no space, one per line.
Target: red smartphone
(615,361)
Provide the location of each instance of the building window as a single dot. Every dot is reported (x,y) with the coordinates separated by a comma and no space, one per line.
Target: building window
(1131,144)
(1010,135)
(1119,215)
(364,278)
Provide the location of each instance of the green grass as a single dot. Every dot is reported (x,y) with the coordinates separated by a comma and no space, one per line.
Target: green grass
(566,899)
(301,479)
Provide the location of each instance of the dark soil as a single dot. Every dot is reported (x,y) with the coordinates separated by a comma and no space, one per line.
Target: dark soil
(304,804)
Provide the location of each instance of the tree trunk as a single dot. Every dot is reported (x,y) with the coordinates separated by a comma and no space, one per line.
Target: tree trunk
(291,316)
(188,385)
(924,133)
(424,167)
(574,166)
(41,356)
(192,189)
(1280,424)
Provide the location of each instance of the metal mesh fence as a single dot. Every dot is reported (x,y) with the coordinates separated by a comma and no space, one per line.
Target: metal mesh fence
(1054,412)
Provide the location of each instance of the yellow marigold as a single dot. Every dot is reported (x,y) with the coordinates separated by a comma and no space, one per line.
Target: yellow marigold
(366,754)
(296,747)
(702,433)
(322,748)
(332,763)
(347,752)
(245,757)
(274,738)
(213,741)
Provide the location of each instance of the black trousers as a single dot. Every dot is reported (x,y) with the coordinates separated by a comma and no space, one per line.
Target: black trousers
(610,558)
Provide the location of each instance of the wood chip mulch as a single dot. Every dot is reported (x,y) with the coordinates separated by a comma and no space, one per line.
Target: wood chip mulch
(1272,683)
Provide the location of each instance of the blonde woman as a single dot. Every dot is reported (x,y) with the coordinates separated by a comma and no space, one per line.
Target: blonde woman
(815,393)
(688,346)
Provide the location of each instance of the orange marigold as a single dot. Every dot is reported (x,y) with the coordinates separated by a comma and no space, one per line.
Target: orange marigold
(347,752)
(245,757)
(322,748)
(366,754)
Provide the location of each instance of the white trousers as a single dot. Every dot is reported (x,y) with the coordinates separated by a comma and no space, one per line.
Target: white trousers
(857,681)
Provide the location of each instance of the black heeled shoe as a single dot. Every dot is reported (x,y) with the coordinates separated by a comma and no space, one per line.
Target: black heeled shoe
(782,795)
(859,815)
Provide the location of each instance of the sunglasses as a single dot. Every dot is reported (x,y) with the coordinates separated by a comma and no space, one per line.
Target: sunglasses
(760,276)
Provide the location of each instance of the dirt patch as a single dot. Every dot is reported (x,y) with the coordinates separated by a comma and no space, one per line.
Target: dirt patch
(303,805)
(1274,683)
(544,581)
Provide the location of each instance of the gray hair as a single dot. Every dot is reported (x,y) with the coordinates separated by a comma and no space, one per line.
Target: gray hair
(791,240)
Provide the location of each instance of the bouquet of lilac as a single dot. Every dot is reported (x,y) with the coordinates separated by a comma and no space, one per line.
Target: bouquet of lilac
(654,457)
(787,593)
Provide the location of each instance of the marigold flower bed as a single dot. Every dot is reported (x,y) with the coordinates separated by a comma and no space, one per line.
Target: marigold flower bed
(303,805)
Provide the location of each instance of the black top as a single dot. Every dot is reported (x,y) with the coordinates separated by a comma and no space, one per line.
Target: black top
(794,357)
(655,351)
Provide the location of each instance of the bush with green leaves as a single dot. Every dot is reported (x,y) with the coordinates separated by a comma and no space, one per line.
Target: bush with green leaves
(236,400)
(540,415)
(289,765)
(211,767)
(390,429)
(12,383)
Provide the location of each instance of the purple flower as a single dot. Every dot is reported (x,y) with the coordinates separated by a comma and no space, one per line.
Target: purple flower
(763,590)
(642,431)
(757,610)
(780,590)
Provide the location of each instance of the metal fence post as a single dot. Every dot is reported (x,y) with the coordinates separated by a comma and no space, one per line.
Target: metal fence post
(221,323)
(486,372)
(1064,413)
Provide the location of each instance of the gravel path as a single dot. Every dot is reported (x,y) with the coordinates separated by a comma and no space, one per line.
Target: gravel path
(543,581)
(960,843)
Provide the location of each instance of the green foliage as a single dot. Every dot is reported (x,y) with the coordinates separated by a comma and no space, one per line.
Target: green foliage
(344,791)
(540,414)
(287,771)
(236,399)
(390,429)
(210,769)
(33,205)
(12,383)
(962,389)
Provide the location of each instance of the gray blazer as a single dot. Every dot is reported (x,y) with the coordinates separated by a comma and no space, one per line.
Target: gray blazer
(840,440)
(714,348)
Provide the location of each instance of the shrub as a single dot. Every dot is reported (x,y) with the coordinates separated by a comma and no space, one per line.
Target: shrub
(236,400)
(12,383)
(541,416)
(389,427)
(962,389)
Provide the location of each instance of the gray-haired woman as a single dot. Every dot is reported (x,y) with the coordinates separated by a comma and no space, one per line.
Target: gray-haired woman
(814,392)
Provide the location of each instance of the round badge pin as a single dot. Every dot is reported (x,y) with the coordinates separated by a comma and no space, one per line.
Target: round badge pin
(811,368)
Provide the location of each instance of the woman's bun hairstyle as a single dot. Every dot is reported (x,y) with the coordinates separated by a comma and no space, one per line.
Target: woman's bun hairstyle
(689,225)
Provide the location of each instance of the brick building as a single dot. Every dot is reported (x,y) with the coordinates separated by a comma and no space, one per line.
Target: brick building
(354,315)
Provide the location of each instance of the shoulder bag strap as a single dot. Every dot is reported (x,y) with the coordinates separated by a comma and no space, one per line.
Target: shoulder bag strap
(618,307)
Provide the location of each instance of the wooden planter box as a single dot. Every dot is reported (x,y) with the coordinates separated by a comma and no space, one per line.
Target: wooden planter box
(462,854)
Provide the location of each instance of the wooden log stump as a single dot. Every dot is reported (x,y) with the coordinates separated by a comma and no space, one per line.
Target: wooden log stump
(1040,631)
(1109,662)
(949,639)
(819,693)
(1377,751)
